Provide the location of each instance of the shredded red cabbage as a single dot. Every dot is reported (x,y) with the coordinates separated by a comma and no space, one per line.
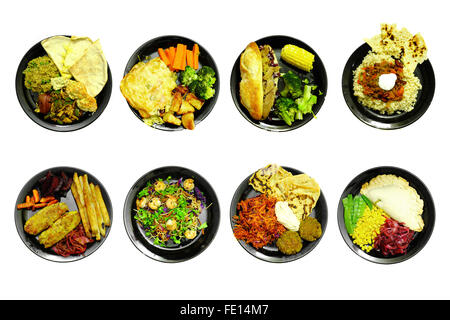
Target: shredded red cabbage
(394,238)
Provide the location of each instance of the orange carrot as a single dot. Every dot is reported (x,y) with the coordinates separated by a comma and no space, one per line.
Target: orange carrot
(52,202)
(166,51)
(24,205)
(40,205)
(36,195)
(162,55)
(195,53)
(178,60)
(183,60)
(172,52)
(27,199)
(190,58)
(47,199)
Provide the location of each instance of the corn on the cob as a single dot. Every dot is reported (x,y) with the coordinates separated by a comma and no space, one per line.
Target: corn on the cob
(298,57)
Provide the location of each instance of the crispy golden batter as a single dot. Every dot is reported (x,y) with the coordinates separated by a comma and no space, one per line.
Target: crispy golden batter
(44,218)
(60,229)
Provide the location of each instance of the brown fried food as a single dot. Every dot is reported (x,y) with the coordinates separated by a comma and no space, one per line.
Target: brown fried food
(45,218)
(289,243)
(310,229)
(60,229)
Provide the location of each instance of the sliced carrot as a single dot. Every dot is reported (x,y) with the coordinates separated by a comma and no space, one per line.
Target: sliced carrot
(178,60)
(162,55)
(195,53)
(190,58)
(27,199)
(52,202)
(35,196)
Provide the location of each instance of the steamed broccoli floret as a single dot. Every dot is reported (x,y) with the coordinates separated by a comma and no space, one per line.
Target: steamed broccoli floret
(306,102)
(207,75)
(286,109)
(292,85)
(202,89)
(187,76)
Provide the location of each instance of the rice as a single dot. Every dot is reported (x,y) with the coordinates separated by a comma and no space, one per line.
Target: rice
(411,88)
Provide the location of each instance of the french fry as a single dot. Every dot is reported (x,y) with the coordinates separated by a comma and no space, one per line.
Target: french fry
(80,204)
(101,223)
(90,207)
(102,204)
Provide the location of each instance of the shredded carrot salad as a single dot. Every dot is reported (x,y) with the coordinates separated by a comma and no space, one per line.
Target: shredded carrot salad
(256,222)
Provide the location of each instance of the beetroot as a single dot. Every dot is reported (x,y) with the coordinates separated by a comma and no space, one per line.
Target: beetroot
(394,238)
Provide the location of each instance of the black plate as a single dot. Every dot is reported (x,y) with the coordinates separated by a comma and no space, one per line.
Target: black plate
(428,215)
(318,74)
(21,216)
(149,50)
(375,119)
(28,99)
(270,252)
(210,215)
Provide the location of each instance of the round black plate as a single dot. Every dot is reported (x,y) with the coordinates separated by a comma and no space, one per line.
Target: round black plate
(21,216)
(375,119)
(28,99)
(149,50)
(211,215)
(318,74)
(428,215)
(270,252)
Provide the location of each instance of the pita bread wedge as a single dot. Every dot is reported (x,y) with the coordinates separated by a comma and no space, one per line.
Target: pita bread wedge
(301,192)
(400,44)
(265,180)
(91,69)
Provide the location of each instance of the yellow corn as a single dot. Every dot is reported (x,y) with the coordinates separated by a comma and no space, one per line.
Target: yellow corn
(298,57)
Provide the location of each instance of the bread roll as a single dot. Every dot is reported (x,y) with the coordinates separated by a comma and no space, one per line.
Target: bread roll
(251,85)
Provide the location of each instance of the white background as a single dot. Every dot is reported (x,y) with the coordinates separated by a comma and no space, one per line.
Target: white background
(117,148)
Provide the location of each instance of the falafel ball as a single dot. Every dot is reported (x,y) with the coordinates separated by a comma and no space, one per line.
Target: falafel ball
(310,229)
(289,242)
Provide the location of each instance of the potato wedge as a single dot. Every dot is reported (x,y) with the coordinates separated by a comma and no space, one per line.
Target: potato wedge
(170,118)
(185,108)
(176,102)
(187,120)
(192,99)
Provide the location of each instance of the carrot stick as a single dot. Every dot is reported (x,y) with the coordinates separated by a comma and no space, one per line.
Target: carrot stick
(166,51)
(36,195)
(27,199)
(183,59)
(195,53)
(24,205)
(190,58)
(52,202)
(47,199)
(172,52)
(40,205)
(162,55)
(178,60)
